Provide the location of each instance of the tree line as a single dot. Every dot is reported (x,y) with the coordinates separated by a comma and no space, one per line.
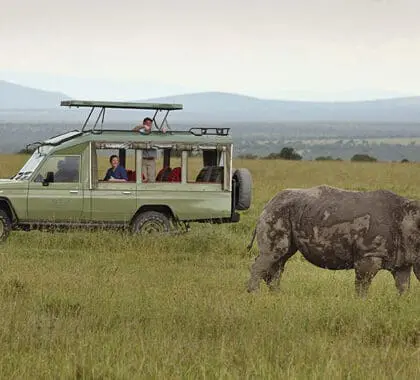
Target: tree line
(289,153)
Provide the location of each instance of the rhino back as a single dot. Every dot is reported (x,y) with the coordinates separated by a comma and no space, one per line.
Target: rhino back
(333,227)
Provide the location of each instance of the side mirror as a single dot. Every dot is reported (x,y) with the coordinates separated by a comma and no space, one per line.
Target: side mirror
(48,179)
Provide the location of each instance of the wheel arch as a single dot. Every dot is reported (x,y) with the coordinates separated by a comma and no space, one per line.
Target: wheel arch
(164,209)
(6,205)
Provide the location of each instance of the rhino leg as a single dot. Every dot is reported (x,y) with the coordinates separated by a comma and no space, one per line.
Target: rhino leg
(274,275)
(366,269)
(402,279)
(275,249)
(269,267)
(416,270)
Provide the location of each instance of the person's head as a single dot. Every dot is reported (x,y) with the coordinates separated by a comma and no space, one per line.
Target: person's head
(147,123)
(114,161)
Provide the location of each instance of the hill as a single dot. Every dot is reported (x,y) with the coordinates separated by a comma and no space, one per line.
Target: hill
(221,107)
(16,97)
(19,103)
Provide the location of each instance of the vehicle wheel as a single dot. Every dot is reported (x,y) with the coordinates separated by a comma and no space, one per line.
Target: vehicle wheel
(5,226)
(244,188)
(151,222)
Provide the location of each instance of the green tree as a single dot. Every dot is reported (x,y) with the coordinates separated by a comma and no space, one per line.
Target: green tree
(288,153)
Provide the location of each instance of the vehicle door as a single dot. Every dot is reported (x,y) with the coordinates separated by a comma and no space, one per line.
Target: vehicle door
(56,193)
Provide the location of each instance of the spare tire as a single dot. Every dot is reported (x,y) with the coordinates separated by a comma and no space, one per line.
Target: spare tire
(243,190)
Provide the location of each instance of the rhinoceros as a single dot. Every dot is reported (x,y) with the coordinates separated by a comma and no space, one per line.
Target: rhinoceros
(338,229)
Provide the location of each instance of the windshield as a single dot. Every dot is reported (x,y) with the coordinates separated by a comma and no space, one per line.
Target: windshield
(31,165)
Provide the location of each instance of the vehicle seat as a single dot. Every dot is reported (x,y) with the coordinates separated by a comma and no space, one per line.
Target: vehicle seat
(212,174)
(163,174)
(175,175)
(131,174)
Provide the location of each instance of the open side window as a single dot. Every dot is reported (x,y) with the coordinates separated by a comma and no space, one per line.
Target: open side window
(195,165)
(214,166)
(100,162)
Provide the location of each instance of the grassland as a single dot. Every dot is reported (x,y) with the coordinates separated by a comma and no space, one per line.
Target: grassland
(107,305)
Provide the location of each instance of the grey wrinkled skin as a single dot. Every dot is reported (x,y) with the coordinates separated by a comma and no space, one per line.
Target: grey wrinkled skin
(338,229)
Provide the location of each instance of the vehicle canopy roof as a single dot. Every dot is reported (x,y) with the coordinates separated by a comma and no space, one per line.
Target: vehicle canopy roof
(103,105)
(122,105)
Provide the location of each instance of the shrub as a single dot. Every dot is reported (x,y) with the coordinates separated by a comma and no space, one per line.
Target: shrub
(363,157)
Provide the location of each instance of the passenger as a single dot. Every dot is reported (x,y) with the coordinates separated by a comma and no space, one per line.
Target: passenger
(148,166)
(146,128)
(68,170)
(149,155)
(116,173)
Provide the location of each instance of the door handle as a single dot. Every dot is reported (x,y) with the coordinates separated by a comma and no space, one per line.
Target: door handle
(126,192)
(74,191)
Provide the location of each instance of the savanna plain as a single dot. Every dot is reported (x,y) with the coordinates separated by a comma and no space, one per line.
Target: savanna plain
(107,305)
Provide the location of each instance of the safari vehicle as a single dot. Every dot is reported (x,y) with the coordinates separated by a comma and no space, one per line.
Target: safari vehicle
(195,181)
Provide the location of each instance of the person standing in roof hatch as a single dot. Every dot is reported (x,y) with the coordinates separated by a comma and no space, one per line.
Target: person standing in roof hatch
(149,155)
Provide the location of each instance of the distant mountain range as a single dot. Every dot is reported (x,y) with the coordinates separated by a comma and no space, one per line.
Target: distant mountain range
(20,103)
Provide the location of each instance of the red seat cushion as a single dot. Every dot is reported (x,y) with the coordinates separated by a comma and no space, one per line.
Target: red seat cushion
(175,175)
(131,175)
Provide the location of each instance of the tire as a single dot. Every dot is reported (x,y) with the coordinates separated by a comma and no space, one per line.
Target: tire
(5,226)
(244,189)
(151,222)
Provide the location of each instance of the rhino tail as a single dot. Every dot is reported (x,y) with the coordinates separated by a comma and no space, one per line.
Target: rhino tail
(252,239)
(416,270)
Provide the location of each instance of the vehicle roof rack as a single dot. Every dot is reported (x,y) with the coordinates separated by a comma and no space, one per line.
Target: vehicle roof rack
(209,131)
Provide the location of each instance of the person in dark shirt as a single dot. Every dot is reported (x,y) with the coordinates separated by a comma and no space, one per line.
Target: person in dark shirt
(116,173)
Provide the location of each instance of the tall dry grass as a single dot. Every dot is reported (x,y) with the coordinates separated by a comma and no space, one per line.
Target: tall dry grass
(107,305)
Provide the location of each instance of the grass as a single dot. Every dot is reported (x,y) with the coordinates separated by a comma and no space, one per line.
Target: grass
(107,305)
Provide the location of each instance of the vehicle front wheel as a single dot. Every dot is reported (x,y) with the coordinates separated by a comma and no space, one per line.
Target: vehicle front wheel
(151,222)
(5,226)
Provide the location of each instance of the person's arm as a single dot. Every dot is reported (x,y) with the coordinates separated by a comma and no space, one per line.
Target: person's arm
(140,129)
(107,175)
(122,173)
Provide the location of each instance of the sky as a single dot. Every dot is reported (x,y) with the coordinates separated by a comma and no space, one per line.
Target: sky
(277,49)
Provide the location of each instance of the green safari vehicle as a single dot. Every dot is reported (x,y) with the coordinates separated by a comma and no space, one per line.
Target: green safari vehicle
(194,182)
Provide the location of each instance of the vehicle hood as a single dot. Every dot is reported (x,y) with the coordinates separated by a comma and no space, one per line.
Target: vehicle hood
(12,184)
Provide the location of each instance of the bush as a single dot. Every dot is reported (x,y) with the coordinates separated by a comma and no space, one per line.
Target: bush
(286,154)
(363,157)
(327,158)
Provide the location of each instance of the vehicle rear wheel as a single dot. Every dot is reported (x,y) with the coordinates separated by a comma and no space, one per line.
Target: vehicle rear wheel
(5,226)
(151,222)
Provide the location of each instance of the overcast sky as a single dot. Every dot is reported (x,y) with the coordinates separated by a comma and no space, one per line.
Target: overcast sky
(316,49)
